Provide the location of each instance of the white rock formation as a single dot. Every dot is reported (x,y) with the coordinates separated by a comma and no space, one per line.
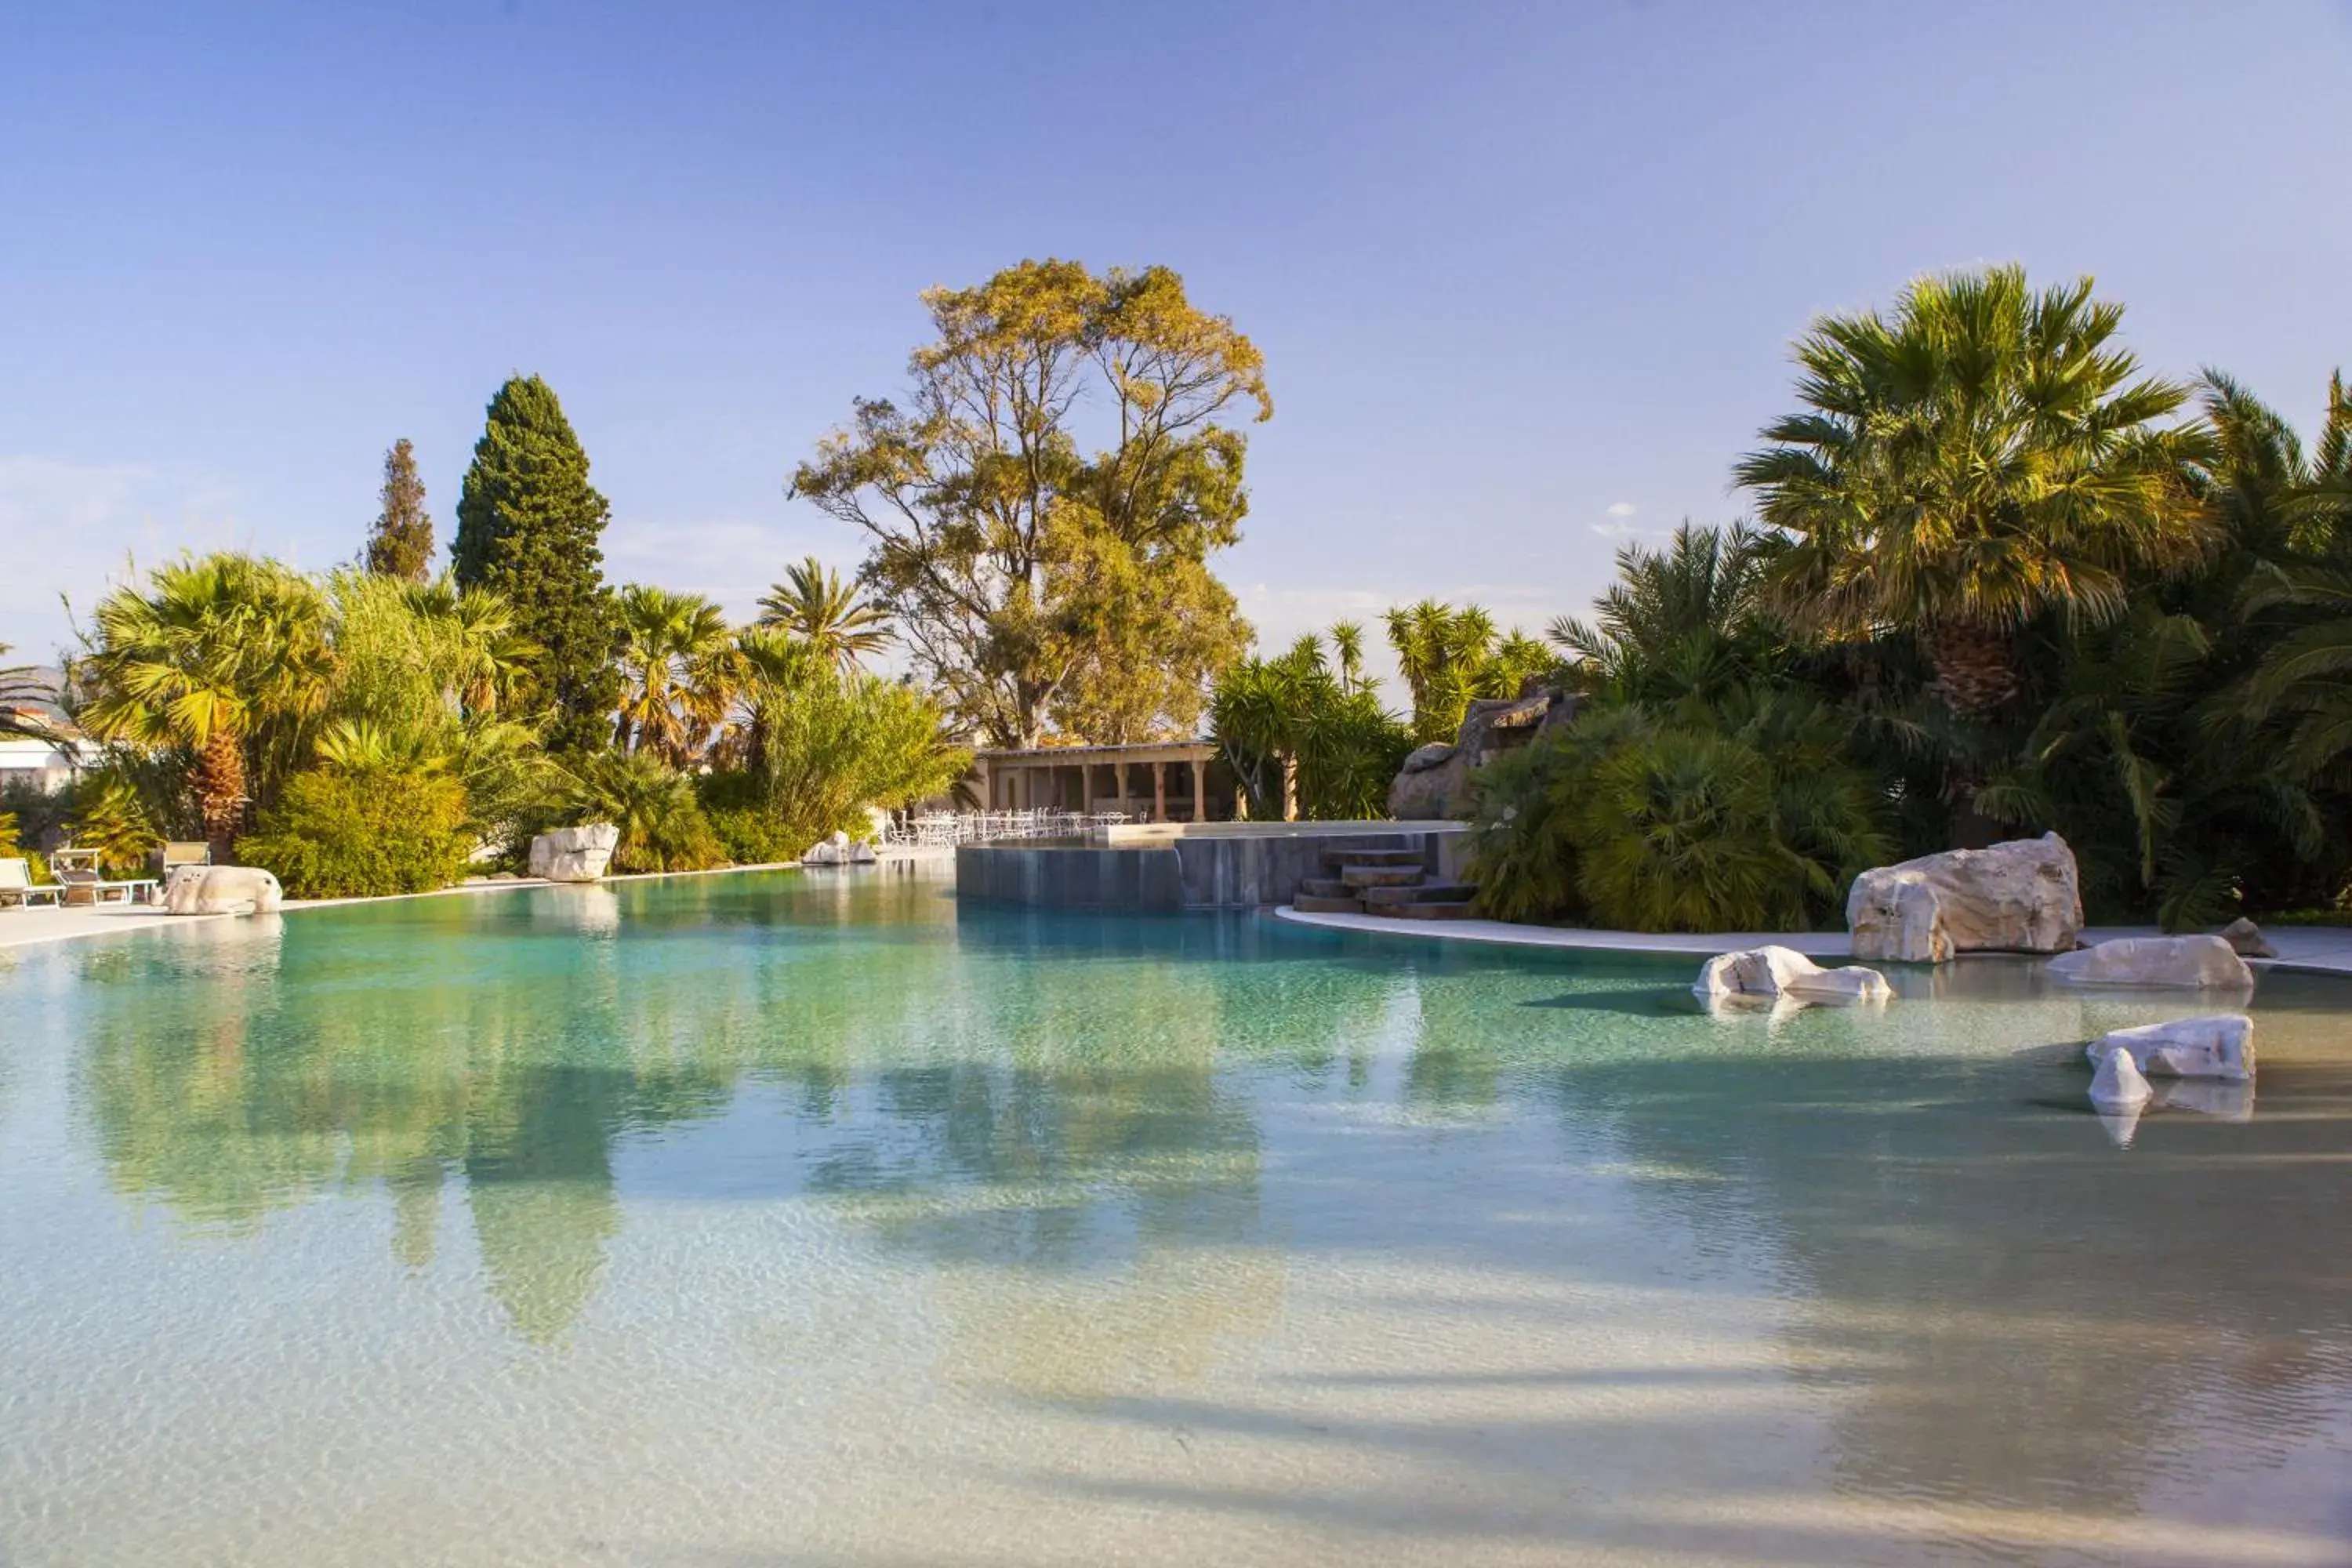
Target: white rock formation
(2118,1084)
(575,854)
(2024,896)
(2247,940)
(861,854)
(2201,961)
(1783,971)
(221,891)
(2217,1045)
(834,851)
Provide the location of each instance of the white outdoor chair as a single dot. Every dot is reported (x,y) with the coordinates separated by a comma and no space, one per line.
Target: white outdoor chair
(17,887)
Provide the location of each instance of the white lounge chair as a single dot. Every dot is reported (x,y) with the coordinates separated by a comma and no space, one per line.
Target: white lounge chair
(84,881)
(17,887)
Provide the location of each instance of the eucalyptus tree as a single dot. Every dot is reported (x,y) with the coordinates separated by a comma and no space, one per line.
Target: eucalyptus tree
(1983,456)
(1042,512)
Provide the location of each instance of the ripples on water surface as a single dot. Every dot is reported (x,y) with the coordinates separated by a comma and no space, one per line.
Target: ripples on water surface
(769,1220)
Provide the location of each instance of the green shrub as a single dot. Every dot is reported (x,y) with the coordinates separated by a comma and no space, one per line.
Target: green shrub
(1745,816)
(748,833)
(110,815)
(662,825)
(366,832)
(841,744)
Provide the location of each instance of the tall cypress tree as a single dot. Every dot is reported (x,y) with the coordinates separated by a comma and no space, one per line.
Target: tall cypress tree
(400,543)
(527,526)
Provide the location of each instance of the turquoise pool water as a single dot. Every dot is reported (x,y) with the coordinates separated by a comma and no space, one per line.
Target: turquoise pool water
(775,1219)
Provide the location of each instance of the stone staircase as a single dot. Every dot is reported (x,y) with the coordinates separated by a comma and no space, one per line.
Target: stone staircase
(1388,882)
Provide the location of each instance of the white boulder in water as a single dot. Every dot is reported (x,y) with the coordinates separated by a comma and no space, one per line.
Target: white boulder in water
(575,854)
(2190,962)
(2218,1046)
(1785,971)
(2118,1085)
(2024,896)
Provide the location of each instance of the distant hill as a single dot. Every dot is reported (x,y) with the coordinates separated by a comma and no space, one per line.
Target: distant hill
(46,677)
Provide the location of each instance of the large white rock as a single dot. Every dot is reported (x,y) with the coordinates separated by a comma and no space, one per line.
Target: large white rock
(1785,971)
(2118,1085)
(575,854)
(834,851)
(2200,962)
(2219,1044)
(2024,896)
(221,891)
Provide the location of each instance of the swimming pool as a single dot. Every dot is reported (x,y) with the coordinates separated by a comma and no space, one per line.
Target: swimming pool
(785,1218)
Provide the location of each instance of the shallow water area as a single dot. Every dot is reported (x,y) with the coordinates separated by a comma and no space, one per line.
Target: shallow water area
(811,1219)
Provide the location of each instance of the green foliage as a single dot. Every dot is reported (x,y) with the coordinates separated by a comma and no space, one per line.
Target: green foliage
(225,656)
(1306,740)
(1686,621)
(363,831)
(1450,658)
(1984,456)
(679,672)
(400,544)
(837,743)
(820,611)
(529,524)
(1747,817)
(748,833)
(1032,582)
(24,696)
(110,815)
(661,823)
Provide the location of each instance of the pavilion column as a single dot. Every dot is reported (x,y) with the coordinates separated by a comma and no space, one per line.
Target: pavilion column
(1085,786)
(1159,792)
(1200,792)
(1120,768)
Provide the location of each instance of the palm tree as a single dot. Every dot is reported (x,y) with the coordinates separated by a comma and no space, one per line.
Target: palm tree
(676,662)
(24,696)
(1984,456)
(817,607)
(226,655)
(1687,620)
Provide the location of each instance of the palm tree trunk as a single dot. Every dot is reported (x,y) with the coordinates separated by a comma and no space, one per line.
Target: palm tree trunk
(1976,667)
(220,791)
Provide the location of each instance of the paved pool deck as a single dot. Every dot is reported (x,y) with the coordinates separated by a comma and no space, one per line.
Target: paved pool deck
(2324,949)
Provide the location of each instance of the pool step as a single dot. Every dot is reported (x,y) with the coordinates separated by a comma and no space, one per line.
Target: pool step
(1381,899)
(1381,876)
(1315,904)
(1325,887)
(1337,859)
(1431,909)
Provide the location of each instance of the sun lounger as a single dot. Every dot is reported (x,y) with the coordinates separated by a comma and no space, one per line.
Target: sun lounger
(17,887)
(83,881)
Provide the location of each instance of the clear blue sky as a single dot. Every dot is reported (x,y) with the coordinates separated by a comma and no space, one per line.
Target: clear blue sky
(1525,275)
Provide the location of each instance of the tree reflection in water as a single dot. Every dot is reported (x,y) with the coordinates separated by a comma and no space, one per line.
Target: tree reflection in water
(1077,1128)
